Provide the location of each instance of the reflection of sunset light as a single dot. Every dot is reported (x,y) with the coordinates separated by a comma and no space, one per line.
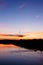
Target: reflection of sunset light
(8,46)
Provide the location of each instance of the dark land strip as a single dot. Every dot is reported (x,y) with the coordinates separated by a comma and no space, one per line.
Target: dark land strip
(35,44)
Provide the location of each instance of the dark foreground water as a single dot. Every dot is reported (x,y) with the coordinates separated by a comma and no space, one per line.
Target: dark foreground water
(20,56)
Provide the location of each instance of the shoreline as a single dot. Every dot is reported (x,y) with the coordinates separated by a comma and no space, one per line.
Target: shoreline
(36,44)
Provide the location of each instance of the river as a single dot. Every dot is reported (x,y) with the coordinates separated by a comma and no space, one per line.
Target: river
(20,56)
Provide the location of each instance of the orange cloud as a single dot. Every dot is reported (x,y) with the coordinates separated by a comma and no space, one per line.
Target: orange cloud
(33,35)
(10,37)
(29,35)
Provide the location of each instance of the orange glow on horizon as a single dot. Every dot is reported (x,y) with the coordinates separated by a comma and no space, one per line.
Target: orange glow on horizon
(29,35)
(34,35)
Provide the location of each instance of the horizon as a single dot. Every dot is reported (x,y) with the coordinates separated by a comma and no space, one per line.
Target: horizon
(29,35)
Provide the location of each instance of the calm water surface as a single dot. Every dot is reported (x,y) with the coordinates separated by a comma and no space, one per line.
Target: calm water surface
(20,56)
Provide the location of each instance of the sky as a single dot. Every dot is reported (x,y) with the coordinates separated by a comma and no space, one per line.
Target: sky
(21,16)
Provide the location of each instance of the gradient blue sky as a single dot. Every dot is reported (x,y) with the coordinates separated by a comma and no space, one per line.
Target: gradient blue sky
(21,15)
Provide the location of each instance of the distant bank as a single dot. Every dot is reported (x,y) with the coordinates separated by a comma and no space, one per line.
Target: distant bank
(36,44)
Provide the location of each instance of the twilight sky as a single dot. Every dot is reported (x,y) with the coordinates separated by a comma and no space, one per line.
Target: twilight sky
(21,15)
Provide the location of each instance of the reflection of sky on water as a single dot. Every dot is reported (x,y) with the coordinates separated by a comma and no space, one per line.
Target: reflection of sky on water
(20,56)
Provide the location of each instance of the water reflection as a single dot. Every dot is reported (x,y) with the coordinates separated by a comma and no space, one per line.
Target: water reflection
(20,56)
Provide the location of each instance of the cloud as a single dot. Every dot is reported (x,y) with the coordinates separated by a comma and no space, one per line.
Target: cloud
(37,16)
(2,4)
(21,6)
(33,35)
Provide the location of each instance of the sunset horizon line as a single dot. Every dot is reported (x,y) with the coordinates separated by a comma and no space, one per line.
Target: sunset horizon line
(18,33)
(29,35)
